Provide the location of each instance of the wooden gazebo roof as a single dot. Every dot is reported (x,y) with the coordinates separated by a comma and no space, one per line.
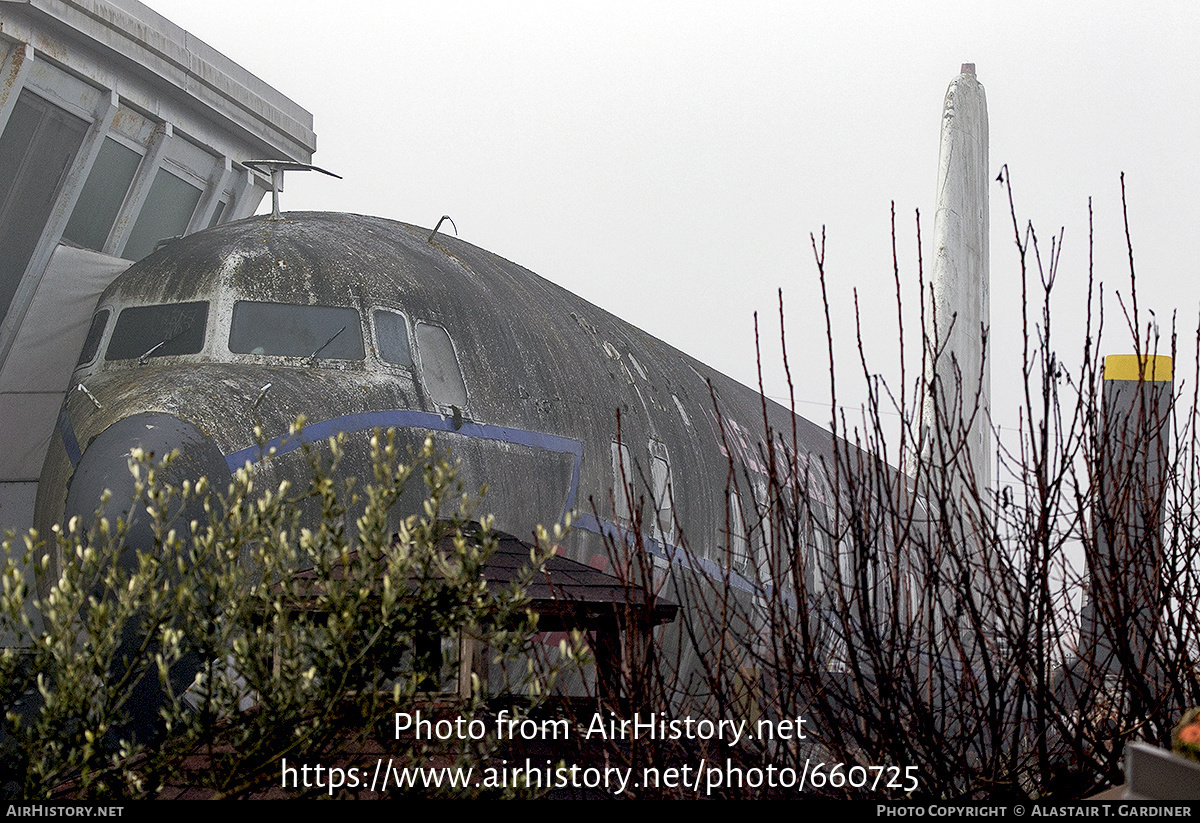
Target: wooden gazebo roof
(569,594)
(566,594)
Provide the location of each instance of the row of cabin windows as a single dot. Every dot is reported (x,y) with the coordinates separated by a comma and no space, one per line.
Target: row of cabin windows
(750,531)
(742,531)
(281,330)
(752,549)
(661,501)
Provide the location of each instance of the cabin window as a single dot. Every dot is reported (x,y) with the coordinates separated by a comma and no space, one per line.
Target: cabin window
(814,554)
(763,514)
(92,344)
(391,336)
(660,478)
(739,546)
(443,378)
(623,474)
(158,331)
(327,332)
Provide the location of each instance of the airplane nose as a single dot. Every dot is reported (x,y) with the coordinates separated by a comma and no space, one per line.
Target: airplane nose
(105,465)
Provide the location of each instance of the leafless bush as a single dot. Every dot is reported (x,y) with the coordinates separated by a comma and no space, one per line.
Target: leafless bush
(999,642)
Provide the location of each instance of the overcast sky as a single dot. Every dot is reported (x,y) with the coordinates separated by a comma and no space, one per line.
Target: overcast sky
(667,161)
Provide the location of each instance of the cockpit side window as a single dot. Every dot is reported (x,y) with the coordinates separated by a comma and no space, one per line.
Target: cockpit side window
(443,377)
(327,332)
(158,331)
(391,334)
(91,346)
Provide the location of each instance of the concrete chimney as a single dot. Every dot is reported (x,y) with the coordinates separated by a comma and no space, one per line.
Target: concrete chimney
(959,382)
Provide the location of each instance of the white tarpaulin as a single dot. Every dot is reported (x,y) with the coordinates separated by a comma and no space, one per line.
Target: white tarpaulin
(36,375)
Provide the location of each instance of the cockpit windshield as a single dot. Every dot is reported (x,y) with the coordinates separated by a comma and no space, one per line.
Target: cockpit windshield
(143,332)
(327,332)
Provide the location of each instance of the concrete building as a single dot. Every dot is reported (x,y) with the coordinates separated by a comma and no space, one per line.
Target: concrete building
(118,131)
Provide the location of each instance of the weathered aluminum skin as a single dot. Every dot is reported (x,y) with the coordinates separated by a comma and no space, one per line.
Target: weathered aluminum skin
(545,372)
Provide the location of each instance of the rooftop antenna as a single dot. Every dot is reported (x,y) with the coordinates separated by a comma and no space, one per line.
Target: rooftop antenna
(276,168)
(433,233)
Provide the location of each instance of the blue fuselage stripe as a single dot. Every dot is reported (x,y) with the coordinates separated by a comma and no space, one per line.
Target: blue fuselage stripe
(672,554)
(406,419)
(70,443)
